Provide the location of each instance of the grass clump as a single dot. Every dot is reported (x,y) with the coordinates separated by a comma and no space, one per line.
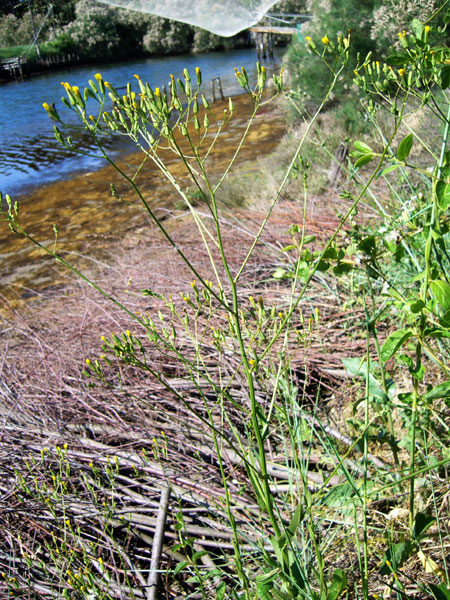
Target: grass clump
(301,495)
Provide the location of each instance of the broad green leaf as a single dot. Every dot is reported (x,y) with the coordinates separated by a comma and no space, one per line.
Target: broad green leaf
(437,333)
(280,595)
(363,148)
(396,555)
(440,592)
(416,306)
(445,320)
(440,391)
(444,77)
(389,169)
(404,148)
(329,253)
(297,518)
(308,239)
(422,522)
(368,245)
(342,268)
(394,294)
(394,342)
(220,591)
(288,248)
(338,585)
(441,290)
(180,566)
(417,27)
(363,160)
(355,366)
(443,194)
(398,59)
(279,273)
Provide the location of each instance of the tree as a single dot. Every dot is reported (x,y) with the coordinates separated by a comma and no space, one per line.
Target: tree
(330,18)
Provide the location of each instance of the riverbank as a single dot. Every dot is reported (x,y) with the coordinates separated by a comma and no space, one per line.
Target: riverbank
(90,221)
(31,157)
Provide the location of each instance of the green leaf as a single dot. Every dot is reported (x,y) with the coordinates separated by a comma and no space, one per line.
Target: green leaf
(363,148)
(389,169)
(416,306)
(180,566)
(437,333)
(440,592)
(396,555)
(444,78)
(288,248)
(342,268)
(338,585)
(394,294)
(440,391)
(441,290)
(417,27)
(356,367)
(308,239)
(445,320)
(404,148)
(416,370)
(279,273)
(220,591)
(398,59)
(443,194)
(363,160)
(264,583)
(394,342)
(422,522)
(297,518)
(368,245)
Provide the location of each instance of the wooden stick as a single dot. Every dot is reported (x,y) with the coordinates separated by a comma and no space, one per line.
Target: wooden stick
(158,544)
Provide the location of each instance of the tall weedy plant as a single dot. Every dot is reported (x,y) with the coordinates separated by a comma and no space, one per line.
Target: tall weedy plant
(298,526)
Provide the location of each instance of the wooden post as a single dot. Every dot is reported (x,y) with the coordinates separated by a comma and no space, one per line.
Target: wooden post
(213,88)
(220,87)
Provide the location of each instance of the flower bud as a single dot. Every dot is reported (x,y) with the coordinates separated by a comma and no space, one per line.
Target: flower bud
(199,76)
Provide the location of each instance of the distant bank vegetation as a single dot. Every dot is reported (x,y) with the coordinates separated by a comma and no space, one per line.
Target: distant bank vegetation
(94,30)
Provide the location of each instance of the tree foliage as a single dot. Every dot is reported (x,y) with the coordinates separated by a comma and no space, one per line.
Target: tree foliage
(96,30)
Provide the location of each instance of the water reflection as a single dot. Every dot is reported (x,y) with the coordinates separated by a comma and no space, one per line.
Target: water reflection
(30,155)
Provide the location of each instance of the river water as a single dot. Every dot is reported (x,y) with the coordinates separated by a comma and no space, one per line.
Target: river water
(29,154)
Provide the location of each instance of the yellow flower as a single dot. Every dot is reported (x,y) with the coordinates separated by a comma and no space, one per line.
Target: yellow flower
(325,40)
(308,38)
(427,28)
(46,106)
(88,361)
(401,72)
(76,90)
(98,76)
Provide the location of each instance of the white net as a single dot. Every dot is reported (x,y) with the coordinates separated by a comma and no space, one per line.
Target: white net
(223,17)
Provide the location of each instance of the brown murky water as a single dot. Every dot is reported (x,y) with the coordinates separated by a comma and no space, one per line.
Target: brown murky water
(91,222)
